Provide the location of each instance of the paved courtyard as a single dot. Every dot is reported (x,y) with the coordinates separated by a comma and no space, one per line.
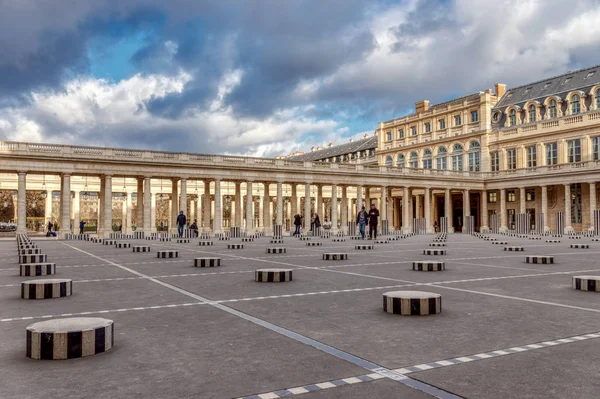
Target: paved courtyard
(508,329)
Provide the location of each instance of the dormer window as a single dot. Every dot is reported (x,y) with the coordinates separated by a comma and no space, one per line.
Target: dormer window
(527,90)
(590,74)
(575,104)
(546,85)
(513,117)
(598,99)
(552,109)
(532,112)
(567,80)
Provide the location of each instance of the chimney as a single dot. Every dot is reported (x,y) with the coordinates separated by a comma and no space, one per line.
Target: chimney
(366,135)
(422,106)
(330,144)
(500,89)
(312,148)
(351,140)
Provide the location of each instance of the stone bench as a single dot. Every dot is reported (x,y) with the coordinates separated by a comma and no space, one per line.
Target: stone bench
(514,249)
(235,246)
(314,244)
(37,269)
(205,243)
(273,275)
(276,250)
(141,248)
(553,241)
(412,303)
(182,241)
(30,251)
(586,283)
(167,254)
(46,288)
(437,244)
(363,247)
(335,256)
(544,259)
(70,338)
(207,262)
(580,246)
(428,266)
(434,252)
(123,245)
(109,242)
(276,241)
(33,258)
(500,242)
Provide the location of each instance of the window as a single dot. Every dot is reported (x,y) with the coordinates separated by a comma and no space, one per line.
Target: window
(400,161)
(442,159)
(388,136)
(427,127)
(574,150)
(598,99)
(457,157)
(513,117)
(596,148)
(337,159)
(510,195)
(530,194)
(442,122)
(527,90)
(457,120)
(401,133)
(427,162)
(532,112)
(546,85)
(576,203)
(492,197)
(495,157)
(551,153)
(552,109)
(474,156)
(567,80)
(413,162)
(531,156)
(575,105)
(474,116)
(589,75)
(363,154)
(389,161)
(413,130)
(511,157)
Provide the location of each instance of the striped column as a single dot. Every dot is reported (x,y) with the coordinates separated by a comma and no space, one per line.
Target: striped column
(560,223)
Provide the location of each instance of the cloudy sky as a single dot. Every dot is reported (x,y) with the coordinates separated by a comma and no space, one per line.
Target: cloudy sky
(265,77)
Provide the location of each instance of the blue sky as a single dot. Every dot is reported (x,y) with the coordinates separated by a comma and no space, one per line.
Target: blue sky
(265,77)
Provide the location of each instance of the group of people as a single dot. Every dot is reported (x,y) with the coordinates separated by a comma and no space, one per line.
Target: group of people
(363,218)
(182,222)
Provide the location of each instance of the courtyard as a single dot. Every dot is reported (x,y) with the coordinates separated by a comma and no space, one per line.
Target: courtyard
(508,329)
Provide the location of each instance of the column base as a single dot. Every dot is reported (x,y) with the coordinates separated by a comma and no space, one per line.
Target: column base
(484,229)
(429,230)
(450,229)
(503,229)
(547,229)
(569,229)
(334,230)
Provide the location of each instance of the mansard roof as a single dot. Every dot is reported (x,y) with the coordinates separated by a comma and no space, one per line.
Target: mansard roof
(582,79)
(346,148)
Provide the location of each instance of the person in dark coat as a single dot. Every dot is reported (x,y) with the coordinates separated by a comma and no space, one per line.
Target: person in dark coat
(361,220)
(297,223)
(372,222)
(181,221)
(316,223)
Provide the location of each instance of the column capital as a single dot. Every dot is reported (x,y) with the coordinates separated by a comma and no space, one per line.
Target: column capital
(21,172)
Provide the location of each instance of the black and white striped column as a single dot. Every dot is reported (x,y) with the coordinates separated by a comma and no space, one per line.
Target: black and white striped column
(273,275)
(46,288)
(412,303)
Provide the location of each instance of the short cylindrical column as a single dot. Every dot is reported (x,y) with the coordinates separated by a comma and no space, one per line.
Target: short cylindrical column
(412,303)
(22,204)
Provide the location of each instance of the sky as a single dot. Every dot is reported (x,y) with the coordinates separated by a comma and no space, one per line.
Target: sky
(265,77)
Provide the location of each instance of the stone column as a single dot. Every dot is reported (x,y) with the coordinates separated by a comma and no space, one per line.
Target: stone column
(279,219)
(22,203)
(140,204)
(427,200)
(207,205)
(128,214)
(100,221)
(319,205)
(148,206)
(266,207)
(367,198)
(503,227)
(48,207)
(218,218)
(359,198)
(174,206)
(448,210)
(294,202)
(568,226)
(77,211)
(390,208)
(344,210)
(406,214)
(592,204)
(545,208)
(153,212)
(183,198)
(466,205)
(307,207)
(65,205)
(249,209)
(261,213)
(107,209)
(238,204)
(522,204)
(417,206)
(334,209)
(485,223)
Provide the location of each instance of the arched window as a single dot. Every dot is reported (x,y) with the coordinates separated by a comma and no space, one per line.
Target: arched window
(552,108)
(388,161)
(575,105)
(414,160)
(400,161)
(442,158)
(457,157)
(532,112)
(427,162)
(474,156)
(513,117)
(598,99)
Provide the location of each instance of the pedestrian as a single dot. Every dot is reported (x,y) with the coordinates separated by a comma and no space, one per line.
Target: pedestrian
(317,224)
(181,221)
(435,226)
(297,223)
(373,215)
(361,221)
(50,225)
(194,228)
(81,226)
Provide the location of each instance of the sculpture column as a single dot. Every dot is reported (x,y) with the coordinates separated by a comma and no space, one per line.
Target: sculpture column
(249,209)
(484,212)
(503,227)
(334,209)
(174,206)
(568,226)
(545,208)
(148,206)
(592,205)
(207,205)
(22,204)
(428,218)
(107,209)
(218,218)
(65,205)
(238,204)
(279,218)
(344,210)
(140,204)
(307,207)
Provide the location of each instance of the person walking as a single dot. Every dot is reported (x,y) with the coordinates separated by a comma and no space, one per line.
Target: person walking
(361,221)
(49,232)
(181,221)
(373,215)
(81,226)
(317,224)
(297,223)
